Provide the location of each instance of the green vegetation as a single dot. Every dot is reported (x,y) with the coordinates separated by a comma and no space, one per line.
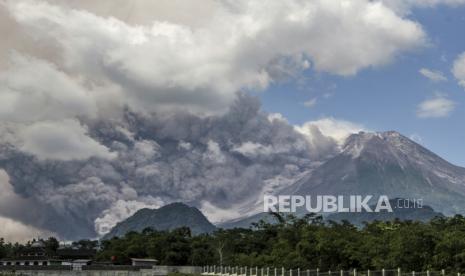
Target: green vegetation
(168,217)
(306,242)
(10,249)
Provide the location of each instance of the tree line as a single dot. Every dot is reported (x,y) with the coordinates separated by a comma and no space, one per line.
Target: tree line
(306,242)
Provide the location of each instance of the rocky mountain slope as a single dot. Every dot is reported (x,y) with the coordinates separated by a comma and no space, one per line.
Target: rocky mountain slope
(388,163)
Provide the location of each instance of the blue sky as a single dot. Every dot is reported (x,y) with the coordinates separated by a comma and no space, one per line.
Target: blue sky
(386,97)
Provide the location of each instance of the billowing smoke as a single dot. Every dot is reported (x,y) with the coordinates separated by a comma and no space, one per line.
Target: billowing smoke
(224,160)
(103,113)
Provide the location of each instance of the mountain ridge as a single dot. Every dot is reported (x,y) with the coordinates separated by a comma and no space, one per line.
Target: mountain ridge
(388,163)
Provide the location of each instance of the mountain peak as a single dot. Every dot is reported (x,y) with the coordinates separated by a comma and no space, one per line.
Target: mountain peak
(388,163)
(363,136)
(387,143)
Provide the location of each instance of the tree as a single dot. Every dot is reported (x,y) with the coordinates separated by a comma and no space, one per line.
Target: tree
(51,245)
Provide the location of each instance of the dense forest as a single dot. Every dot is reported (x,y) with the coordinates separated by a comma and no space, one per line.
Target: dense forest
(306,242)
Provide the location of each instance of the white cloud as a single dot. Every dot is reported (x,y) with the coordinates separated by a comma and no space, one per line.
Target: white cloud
(459,69)
(61,140)
(405,6)
(437,107)
(435,76)
(171,64)
(336,129)
(278,117)
(39,107)
(143,12)
(34,89)
(310,103)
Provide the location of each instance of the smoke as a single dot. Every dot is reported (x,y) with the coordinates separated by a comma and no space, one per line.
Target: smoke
(13,230)
(103,113)
(172,63)
(224,160)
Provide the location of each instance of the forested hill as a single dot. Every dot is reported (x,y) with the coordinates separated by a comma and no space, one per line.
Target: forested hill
(168,217)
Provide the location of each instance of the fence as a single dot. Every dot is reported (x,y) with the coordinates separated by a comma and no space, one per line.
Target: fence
(255,271)
(165,270)
(94,270)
